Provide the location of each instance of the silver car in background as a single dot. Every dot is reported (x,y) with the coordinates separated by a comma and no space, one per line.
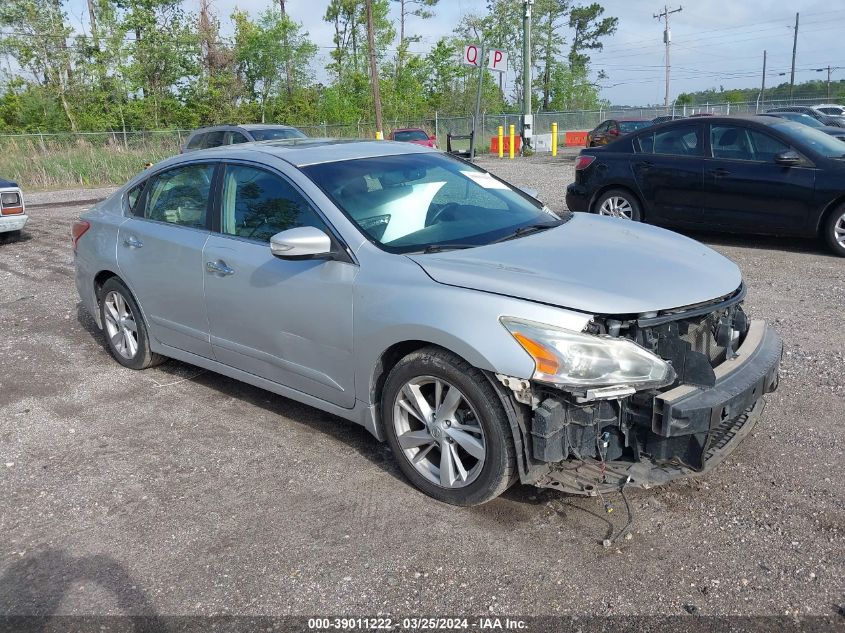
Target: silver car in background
(485,338)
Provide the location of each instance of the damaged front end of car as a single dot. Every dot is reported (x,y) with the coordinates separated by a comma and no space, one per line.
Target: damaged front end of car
(659,396)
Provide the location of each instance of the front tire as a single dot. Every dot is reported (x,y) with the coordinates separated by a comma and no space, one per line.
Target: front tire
(124,327)
(447,428)
(834,230)
(618,203)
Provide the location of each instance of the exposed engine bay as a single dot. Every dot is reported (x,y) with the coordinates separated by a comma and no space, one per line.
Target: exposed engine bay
(594,441)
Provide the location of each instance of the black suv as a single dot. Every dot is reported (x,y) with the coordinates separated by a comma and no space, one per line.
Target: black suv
(206,137)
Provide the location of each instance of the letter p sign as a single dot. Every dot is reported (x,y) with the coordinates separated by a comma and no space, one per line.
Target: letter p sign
(498,61)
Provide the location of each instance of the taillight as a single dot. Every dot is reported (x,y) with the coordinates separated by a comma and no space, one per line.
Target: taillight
(584,161)
(10,203)
(79,229)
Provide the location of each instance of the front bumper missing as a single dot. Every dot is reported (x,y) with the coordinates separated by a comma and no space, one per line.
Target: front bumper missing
(703,424)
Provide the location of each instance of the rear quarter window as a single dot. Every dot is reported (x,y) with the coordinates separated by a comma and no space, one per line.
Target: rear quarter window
(132,198)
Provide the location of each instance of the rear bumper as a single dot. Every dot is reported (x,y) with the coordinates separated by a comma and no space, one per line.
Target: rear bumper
(12,222)
(703,424)
(577,198)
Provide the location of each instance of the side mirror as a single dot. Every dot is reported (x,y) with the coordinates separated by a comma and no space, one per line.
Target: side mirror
(788,158)
(305,241)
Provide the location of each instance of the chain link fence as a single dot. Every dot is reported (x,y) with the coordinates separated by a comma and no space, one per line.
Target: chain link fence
(438,125)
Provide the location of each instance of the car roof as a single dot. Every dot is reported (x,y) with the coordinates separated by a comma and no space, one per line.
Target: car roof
(245,126)
(307,151)
(636,119)
(409,129)
(265,126)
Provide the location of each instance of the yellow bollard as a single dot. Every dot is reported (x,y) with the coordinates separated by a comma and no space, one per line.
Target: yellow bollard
(511,141)
(501,142)
(554,139)
(379,135)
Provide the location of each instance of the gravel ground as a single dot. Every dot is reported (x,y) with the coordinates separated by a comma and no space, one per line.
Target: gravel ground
(177,491)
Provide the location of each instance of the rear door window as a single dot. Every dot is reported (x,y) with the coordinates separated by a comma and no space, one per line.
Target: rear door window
(235,138)
(684,140)
(180,196)
(214,139)
(196,141)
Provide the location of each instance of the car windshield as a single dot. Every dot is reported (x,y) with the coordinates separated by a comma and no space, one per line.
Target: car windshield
(821,143)
(417,202)
(274,133)
(806,119)
(410,135)
(633,126)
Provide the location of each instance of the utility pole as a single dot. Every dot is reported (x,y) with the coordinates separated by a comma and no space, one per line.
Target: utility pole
(371,41)
(667,40)
(763,87)
(829,70)
(794,48)
(527,118)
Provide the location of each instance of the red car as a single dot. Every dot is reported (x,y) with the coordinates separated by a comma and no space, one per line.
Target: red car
(414,135)
(612,129)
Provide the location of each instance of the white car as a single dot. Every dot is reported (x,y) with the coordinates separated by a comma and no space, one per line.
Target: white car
(12,210)
(830,109)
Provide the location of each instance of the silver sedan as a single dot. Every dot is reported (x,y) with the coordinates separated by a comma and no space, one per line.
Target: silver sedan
(487,339)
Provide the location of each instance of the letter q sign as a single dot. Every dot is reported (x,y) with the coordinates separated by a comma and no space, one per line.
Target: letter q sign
(496,60)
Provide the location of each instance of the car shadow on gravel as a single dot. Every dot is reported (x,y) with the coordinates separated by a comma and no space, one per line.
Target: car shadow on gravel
(33,587)
(345,431)
(784,244)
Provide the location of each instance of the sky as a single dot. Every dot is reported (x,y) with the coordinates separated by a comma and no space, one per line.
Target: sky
(714,42)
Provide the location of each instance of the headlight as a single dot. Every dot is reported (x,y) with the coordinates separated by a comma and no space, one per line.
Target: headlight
(575,359)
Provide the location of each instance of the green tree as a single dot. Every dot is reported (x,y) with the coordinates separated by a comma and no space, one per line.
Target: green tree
(271,54)
(37,41)
(588,28)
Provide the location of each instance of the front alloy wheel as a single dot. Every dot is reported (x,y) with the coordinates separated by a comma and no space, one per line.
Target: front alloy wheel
(438,431)
(835,230)
(448,427)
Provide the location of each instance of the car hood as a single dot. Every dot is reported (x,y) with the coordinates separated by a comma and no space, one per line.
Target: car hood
(592,264)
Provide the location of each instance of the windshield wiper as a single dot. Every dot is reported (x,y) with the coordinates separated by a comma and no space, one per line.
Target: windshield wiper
(526,230)
(440,248)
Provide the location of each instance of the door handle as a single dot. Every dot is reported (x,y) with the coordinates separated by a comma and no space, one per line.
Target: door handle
(219,268)
(645,165)
(718,173)
(133,242)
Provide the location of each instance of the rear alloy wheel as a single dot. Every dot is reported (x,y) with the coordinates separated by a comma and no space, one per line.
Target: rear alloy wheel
(618,203)
(447,428)
(123,325)
(834,230)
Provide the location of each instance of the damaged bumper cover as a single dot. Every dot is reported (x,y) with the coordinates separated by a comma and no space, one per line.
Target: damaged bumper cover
(684,431)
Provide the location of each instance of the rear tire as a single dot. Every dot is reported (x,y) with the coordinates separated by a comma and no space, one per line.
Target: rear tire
(435,402)
(619,203)
(124,328)
(834,230)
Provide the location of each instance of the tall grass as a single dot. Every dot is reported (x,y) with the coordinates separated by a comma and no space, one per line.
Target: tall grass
(38,163)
